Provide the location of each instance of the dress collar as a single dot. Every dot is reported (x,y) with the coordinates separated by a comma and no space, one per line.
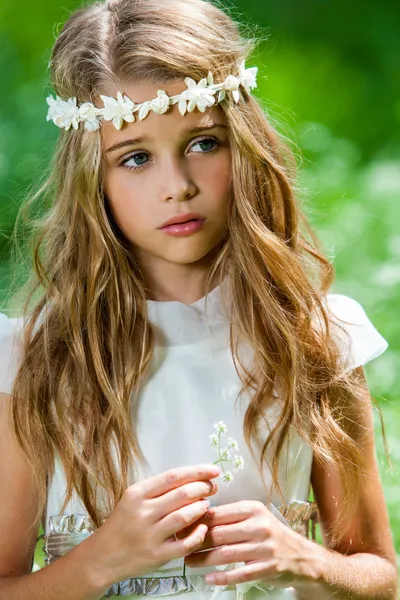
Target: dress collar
(177,323)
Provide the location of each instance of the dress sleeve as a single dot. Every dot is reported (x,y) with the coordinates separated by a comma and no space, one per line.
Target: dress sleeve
(9,352)
(361,341)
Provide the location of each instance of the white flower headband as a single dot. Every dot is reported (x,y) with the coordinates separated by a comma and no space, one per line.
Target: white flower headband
(66,113)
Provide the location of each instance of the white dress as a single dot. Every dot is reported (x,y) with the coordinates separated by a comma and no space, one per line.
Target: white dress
(192,385)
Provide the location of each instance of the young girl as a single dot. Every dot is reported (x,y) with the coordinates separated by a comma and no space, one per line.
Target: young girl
(179,301)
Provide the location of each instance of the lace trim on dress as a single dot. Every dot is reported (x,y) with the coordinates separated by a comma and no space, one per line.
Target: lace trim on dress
(67,531)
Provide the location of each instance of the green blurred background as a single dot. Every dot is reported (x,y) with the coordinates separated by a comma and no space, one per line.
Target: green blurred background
(329,77)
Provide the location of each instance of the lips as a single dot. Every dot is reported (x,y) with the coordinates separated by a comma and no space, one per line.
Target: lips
(179,219)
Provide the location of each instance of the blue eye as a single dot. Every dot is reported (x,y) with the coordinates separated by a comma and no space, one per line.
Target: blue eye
(135,157)
(139,155)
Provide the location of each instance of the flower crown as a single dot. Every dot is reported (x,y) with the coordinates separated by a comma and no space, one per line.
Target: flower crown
(66,113)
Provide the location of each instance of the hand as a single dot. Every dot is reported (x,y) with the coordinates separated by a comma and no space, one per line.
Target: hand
(139,535)
(248,532)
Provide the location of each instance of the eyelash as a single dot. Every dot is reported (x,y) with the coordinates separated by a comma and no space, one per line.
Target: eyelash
(139,167)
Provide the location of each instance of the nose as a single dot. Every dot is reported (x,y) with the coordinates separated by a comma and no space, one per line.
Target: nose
(177,184)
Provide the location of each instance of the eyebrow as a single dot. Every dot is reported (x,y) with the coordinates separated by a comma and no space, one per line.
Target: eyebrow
(146,138)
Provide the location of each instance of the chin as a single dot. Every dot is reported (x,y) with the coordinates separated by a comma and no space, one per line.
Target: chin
(185,258)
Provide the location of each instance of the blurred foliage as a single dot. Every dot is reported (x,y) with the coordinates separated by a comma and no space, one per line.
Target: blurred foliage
(329,78)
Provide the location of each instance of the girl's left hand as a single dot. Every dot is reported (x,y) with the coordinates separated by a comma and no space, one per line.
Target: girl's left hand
(248,532)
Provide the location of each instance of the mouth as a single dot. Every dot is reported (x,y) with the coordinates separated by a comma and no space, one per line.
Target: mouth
(183,219)
(184,228)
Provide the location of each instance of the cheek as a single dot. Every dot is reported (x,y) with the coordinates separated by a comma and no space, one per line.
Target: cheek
(216,180)
(128,204)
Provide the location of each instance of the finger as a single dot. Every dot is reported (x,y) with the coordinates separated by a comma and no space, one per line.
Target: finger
(210,518)
(226,534)
(177,520)
(168,480)
(225,555)
(179,548)
(226,514)
(183,495)
(251,572)
(187,530)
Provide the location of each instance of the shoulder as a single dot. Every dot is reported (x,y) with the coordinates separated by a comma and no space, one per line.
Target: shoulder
(10,350)
(356,335)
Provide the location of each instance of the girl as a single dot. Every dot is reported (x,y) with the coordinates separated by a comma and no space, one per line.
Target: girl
(179,291)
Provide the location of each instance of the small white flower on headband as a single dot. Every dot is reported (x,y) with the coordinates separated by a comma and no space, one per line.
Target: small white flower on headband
(118,110)
(197,94)
(66,114)
(63,113)
(248,77)
(88,113)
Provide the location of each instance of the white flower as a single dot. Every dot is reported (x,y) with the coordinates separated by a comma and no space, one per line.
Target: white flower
(221,95)
(220,426)
(144,110)
(225,453)
(248,76)
(160,104)
(197,94)
(228,477)
(239,462)
(119,110)
(213,439)
(88,114)
(63,114)
(233,444)
(231,84)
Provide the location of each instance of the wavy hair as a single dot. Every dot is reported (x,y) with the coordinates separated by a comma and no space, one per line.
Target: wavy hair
(82,365)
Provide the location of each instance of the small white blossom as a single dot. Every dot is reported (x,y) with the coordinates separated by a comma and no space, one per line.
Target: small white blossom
(224,454)
(64,114)
(231,84)
(248,77)
(144,110)
(119,110)
(160,104)
(227,478)
(88,114)
(233,444)
(214,439)
(221,95)
(197,94)
(220,426)
(239,462)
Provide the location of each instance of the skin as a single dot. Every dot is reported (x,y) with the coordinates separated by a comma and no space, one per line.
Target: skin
(182,173)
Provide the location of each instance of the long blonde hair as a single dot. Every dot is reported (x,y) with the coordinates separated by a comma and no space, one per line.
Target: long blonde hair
(81,364)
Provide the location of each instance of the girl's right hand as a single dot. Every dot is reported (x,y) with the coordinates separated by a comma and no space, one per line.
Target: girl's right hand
(139,535)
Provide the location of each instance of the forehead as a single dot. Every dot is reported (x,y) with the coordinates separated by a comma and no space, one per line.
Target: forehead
(158,127)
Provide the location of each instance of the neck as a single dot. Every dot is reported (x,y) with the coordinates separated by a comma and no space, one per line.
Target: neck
(166,282)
